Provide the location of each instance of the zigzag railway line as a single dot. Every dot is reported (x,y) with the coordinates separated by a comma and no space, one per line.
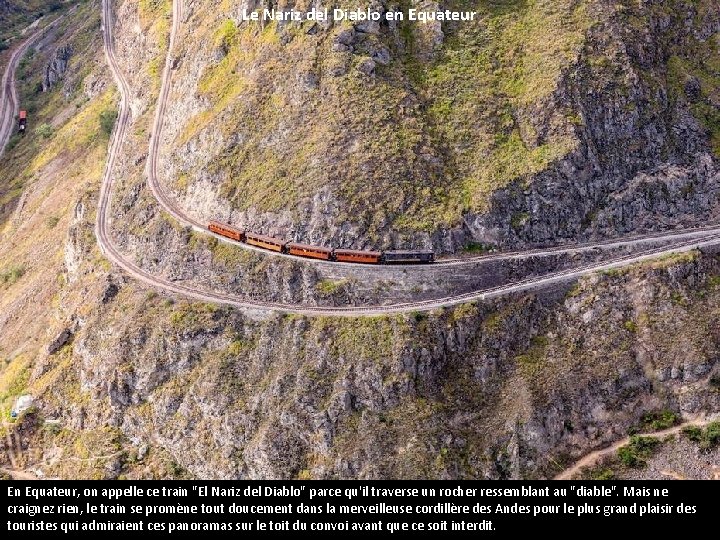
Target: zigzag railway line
(684,240)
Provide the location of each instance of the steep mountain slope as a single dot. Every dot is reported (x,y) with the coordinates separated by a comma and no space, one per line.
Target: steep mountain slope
(129,382)
(16,14)
(540,122)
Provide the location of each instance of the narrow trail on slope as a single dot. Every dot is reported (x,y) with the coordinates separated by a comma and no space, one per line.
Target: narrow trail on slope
(694,239)
(9,99)
(593,457)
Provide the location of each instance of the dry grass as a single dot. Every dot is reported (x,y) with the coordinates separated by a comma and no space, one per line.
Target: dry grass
(424,140)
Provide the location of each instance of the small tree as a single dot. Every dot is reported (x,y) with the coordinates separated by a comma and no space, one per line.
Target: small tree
(45,131)
(107,121)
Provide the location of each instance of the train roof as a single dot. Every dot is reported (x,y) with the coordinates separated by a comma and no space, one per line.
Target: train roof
(308,247)
(358,252)
(265,238)
(411,252)
(223,225)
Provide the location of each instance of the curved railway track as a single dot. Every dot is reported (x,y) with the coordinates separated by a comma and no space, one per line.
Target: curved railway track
(688,240)
(10,103)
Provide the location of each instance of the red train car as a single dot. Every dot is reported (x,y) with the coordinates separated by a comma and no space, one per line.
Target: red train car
(312,252)
(356,256)
(316,252)
(22,122)
(227,230)
(265,242)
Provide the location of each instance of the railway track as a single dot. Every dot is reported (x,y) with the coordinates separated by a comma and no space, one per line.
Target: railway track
(688,240)
(10,102)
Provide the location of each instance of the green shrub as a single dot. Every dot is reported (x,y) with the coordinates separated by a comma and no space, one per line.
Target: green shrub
(711,436)
(707,438)
(12,275)
(606,473)
(45,131)
(656,421)
(225,36)
(519,219)
(636,453)
(107,121)
(631,326)
(13,142)
(328,287)
(693,433)
(475,247)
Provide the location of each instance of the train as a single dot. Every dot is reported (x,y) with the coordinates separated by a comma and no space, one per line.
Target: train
(22,122)
(308,251)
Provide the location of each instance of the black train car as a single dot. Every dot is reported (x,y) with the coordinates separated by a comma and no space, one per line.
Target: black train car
(22,122)
(408,257)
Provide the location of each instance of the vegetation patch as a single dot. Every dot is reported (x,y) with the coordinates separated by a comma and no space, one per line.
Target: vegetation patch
(107,121)
(630,326)
(703,69)
(230,255)
(707,438)
(52,221)
(477,248)
(638,451)
(78,134)
(191,316)
(11,275)
(328,287)
(532,360)
(44,131)
(656,421)
(602,472)
(367,337)
(19,14)
(13,381)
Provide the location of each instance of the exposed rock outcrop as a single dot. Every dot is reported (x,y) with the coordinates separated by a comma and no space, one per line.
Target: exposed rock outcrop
(63,338)
(57,67)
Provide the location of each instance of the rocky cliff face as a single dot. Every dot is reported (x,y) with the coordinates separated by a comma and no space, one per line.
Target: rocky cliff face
(57,67)
(508,390)
(647,132)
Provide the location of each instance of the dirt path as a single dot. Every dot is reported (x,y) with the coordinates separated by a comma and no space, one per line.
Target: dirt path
(17,474)
(593,457)
(10,107)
